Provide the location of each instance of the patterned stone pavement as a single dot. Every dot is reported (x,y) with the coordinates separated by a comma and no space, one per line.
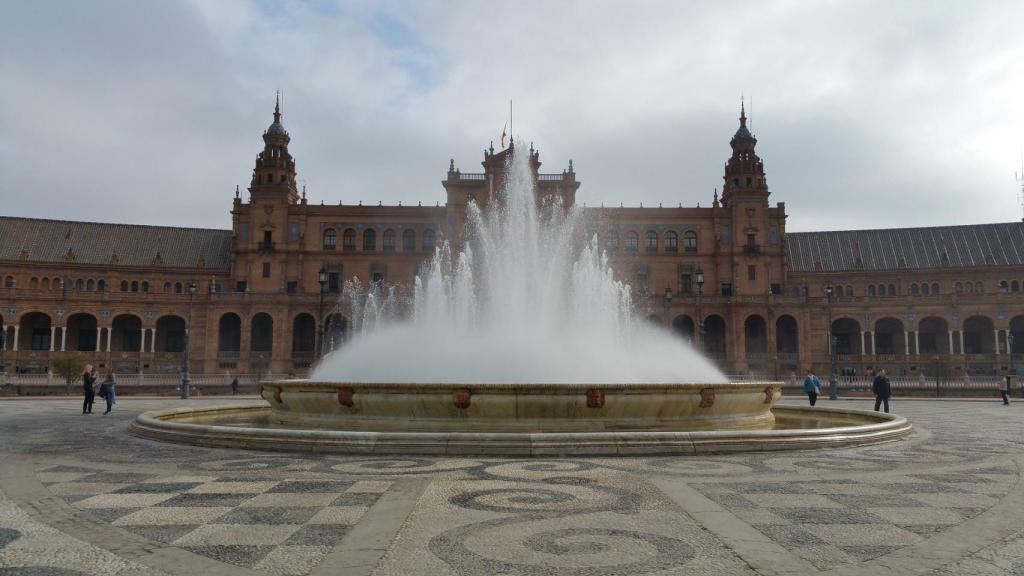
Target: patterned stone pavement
(78,495)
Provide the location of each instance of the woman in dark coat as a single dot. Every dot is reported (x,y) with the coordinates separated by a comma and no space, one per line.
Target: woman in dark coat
(88,388)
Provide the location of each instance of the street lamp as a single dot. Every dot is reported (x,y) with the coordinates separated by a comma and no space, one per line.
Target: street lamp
(1009,344)
(832,385)
(186,382)
(322,279)
(3,347)
(700,309)
(668,304)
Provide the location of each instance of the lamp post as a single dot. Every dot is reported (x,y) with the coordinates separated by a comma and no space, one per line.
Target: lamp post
(322,279)
(700,309)
(186,382)
(3,347)
(833,392)
(1009,345)
(668,304)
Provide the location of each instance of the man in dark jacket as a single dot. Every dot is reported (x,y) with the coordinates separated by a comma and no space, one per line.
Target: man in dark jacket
(882,390)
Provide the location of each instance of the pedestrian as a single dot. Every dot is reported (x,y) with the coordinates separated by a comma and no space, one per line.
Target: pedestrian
(234,386)
(107,390)
(882,389)
(88,388)
(1005,392)
(812,386)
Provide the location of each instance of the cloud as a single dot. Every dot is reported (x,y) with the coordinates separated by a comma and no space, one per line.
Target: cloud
(869,114)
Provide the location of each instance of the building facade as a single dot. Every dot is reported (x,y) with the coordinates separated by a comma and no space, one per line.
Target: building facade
(261,297)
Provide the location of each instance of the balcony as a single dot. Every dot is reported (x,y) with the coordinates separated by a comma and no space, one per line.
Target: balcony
(266,247)
(229,354)
(752,249)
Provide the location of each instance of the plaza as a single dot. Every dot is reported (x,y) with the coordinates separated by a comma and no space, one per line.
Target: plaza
(80,495)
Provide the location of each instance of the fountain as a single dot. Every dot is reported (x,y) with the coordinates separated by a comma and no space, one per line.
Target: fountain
(521,343)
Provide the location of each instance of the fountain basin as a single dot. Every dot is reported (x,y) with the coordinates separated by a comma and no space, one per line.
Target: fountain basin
(519,419)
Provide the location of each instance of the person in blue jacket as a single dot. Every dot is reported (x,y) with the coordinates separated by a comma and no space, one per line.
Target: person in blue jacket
(812,386)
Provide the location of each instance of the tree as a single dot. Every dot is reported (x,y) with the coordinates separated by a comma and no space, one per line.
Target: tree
(70,366)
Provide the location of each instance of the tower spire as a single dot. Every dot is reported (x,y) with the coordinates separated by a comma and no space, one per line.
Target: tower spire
(277,107)
(743,112)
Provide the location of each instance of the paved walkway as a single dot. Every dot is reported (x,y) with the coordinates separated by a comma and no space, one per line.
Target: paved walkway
(78,495)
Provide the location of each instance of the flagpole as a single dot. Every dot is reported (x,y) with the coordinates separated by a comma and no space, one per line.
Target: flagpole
(510,120)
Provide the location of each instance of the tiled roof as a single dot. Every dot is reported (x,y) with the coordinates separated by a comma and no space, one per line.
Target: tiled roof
(37,240)
(907,248)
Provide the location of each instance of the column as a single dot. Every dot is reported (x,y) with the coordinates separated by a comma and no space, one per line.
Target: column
(1009,349)
(960,335)
(152,341)
(4,347)
(996,340)
(53,336)
(17,329)
(863,345)
(951,349)
(871,339)
(63,338)
(142,344)
(110,334)
(906,343)
(917,344)
(99,338)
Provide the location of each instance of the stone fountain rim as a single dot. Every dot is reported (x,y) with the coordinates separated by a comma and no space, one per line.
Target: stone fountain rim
(161,425)
(502,386)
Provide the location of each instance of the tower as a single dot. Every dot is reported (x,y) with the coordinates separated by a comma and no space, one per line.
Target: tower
(273,178)
(744,171)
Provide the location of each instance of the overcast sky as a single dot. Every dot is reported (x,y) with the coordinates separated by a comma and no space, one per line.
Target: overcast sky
(868,114)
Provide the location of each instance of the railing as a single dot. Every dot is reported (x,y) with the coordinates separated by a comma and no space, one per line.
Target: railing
(127,384)
(752,249)
(472,176)
(266,247)
(227,354)
(550,177)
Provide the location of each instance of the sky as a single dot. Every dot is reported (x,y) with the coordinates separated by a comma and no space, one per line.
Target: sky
(869,114)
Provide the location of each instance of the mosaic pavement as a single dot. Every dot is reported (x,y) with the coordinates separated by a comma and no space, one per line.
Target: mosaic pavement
(80,496)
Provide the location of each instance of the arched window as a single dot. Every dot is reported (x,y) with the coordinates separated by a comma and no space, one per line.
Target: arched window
(428,240)
(90,285)
(632,241)
(611,242)
(45,284)
(969,286)
(79,284)
(1004,286)
(33,283)
(348,240)
(913,289)
(671,241)
(167,287)
(958,288)
(849,291)
(330,239)
(979,287)
(1015,286)
(881,289)
(935,288)
(871,290)
(124,285)
(690,241)
(369,240)
(145,286)
(9,282)
(409,240)
(389,240)
(101,285)
(135,285)
(892,289)
(178,288)
(651,241)
(58,284)
(925,289)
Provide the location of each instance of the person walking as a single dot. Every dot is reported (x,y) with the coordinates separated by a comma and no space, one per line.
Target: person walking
(234,386)
(882,389)
(1005,392)
(107,390)
(88,388)
(812,386)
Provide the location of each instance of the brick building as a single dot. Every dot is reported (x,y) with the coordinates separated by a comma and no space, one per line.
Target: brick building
(944,301)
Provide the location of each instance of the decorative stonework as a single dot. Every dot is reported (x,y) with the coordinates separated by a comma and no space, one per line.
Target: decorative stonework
(707,397)
(595,398)
(769,392)
(345,396)
(277,395)
(461,397)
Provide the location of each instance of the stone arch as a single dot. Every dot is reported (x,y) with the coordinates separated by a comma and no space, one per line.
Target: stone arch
(787,335)
(34,331)
(683,327)
(846,332)
(933,335)
(262,333)
(303,335)
(714,335)
(82,332)
(229,333)
(889,336)
(170,334)
(979,335)
(126,333)
(755,334)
